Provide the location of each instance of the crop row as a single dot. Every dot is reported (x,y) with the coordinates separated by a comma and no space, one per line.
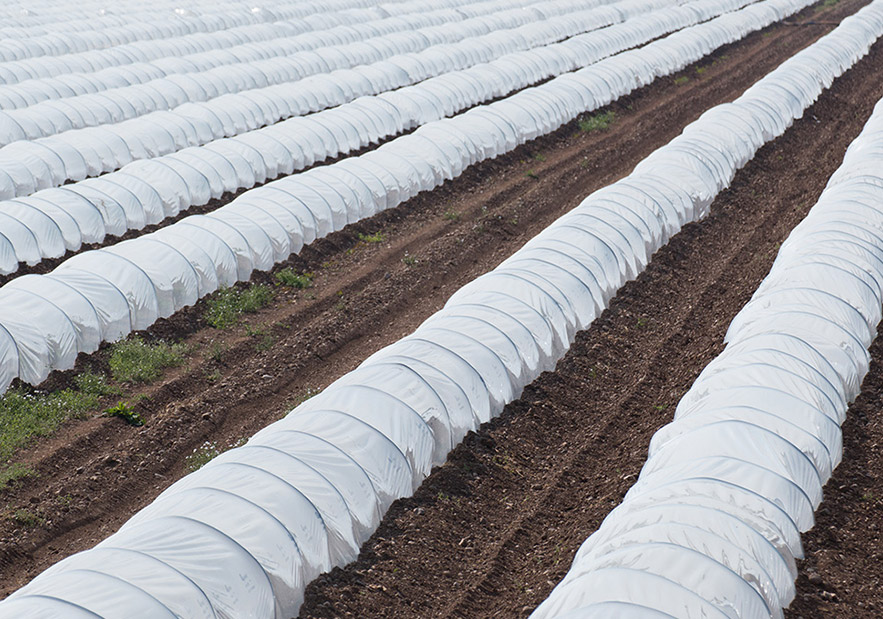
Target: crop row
(305,492)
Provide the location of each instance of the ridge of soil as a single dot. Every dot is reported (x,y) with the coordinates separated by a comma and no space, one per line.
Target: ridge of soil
(95,473)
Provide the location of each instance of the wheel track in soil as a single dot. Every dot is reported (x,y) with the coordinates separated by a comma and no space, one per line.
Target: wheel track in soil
(111,473)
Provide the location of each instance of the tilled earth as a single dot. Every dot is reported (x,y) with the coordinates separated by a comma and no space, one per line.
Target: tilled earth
(491,532)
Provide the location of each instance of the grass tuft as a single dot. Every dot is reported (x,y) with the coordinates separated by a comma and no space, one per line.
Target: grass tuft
(371,238)
(598,122)
(201,456)
(14,472)
(25,415)
(287,277)
(134,360)
(228,304)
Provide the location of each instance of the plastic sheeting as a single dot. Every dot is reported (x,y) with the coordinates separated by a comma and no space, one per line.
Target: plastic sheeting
(734,479)
(305,492)
(199,114)
(84,97)
(128,290)
(194,176)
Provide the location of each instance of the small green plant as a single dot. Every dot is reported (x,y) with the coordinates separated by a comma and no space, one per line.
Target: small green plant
(682,79)
(126,413)
(287,277)
(661,407)
(377,237)
(15,472)
(217,351)
(65,500)
(27,518)
(701,70)
(302,397)
(539,157)
(94,384)
(227,305)
(642,322)
(532,174)
(451,215)
(134,360)
(598,122)
(25,414)
(265,342)
(409,260)
(201,456)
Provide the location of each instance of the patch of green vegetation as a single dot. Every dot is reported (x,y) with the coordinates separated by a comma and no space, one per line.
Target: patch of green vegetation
(532,174)
(409,260)
(302,397)
(14,472)
(227,305)
(27,518)
(201,456)
(539,157)
(701,70)
(25,414)
(683,79)
(828,3)
(598,122)
(287,277)
(371,238)
(126,413)
(452,215)
(134,360)
(91,383)
(265,342)
(217,351)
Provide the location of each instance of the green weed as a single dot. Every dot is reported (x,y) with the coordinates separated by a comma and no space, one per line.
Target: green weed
(287,277)
(126,413)
(371,238)
(14,472)
(227,305)
(134,360)
(597,122)
(27,414)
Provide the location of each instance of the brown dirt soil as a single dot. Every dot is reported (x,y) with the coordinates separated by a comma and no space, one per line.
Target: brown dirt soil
(491,531)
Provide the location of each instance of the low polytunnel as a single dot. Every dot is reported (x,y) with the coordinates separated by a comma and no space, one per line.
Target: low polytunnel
(267,224)
(734,479)
(343,456)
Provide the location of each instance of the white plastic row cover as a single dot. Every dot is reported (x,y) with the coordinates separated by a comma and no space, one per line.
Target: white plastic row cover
(101,32)
(249,529)
(52,221)
(135,29)
(67,76)
(111,96)
(105,294)
(712,526)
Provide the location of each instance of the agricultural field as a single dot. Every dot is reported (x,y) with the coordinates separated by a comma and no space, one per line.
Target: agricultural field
(502,308)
